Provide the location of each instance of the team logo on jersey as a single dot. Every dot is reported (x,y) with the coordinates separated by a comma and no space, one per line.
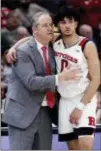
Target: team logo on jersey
(91,121)
(66,56)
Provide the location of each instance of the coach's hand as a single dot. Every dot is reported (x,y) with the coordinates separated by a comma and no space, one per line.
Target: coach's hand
(11,56)
(70,75)
(75,116)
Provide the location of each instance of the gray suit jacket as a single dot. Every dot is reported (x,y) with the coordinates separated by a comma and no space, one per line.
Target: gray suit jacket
(28,85)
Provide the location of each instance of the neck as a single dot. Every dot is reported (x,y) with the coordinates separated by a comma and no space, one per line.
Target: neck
(70,40)
(42,41)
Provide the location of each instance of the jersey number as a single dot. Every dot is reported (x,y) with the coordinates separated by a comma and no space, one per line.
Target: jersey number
(64,64)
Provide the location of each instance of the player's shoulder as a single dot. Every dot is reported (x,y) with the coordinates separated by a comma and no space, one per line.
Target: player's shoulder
(85,42)
(58,40)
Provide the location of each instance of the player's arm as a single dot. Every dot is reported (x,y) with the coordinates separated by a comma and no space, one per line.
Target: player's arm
(11,56)
(91,54)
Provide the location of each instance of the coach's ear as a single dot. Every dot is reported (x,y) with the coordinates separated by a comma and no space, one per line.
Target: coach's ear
(34,30)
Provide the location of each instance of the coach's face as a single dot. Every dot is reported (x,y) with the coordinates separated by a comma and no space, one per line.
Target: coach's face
(44,30)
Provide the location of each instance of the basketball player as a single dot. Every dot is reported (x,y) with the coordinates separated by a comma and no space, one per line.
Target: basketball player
(77,107)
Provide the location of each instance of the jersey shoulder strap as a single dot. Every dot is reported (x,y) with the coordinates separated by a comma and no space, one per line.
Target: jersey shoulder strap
(83,43)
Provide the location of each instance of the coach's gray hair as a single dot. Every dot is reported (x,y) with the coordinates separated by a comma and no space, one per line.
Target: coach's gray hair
(36,17)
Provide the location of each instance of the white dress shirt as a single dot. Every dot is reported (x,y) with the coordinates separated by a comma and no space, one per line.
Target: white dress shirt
(39,46)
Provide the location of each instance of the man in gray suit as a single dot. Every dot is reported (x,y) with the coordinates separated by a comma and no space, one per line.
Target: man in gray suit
(29,124)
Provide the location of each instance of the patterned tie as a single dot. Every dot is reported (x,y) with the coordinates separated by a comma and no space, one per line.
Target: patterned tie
(50,96)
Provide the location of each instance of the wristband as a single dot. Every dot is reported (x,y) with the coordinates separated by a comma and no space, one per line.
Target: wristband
(80,106)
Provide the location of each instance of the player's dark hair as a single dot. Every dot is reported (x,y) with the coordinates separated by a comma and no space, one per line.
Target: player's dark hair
(68,12)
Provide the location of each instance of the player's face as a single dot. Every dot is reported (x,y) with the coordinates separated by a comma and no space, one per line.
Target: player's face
(67,26)
(44,29)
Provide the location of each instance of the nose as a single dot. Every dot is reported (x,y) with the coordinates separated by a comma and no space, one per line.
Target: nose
(50,28)
(67,25)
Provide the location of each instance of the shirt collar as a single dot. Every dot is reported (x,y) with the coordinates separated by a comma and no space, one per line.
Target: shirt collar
(40,45)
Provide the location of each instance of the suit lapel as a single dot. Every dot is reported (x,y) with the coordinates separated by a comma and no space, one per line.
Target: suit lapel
(36,53)
(38,58)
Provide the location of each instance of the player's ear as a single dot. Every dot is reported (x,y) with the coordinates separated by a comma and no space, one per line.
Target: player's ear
(76,24)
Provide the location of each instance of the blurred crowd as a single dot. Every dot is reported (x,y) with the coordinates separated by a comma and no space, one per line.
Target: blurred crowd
(16,18)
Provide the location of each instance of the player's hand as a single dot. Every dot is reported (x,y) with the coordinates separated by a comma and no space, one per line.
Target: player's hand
(11,56)
(70,75)
(75,116)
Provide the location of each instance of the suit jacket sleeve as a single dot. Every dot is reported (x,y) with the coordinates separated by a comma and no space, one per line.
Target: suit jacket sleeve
(25,71)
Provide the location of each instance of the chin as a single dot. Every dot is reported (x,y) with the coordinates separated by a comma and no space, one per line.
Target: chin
(68,34)
(50,38)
